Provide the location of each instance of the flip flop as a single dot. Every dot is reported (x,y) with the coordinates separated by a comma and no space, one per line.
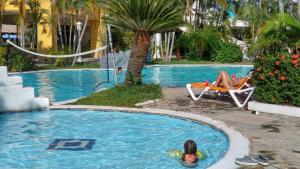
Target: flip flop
(245,161)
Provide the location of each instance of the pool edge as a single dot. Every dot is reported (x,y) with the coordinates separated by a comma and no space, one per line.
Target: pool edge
(238,143)
(148,66)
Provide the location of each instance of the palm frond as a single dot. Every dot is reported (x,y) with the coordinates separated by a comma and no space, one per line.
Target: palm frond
(281,31)
(144,15)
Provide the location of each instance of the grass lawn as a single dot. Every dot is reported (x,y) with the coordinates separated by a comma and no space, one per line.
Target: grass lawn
(123,96)
(77,66)
(185,61)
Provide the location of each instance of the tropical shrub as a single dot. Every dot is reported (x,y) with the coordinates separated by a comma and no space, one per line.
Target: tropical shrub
(278,33)
(122,40)
(60,61)
(277,79)
(20,62)
(227,53)
(2,55)
(197,45)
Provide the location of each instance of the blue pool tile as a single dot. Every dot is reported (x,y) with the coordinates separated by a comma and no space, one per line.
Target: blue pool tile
(72,144)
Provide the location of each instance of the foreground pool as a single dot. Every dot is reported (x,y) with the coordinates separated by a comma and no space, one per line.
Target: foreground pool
(70,84)
(111,140)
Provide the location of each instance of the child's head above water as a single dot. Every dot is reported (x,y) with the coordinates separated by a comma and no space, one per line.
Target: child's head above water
(190,153)
(190,147)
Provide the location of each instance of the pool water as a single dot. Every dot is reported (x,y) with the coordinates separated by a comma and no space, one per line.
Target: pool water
(70,84)
(122,140)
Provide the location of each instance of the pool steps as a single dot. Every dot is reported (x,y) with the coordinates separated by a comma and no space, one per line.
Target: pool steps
(15,98)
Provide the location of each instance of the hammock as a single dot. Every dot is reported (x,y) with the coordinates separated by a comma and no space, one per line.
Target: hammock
(56,56)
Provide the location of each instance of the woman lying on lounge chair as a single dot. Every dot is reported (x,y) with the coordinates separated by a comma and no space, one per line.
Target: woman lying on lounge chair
(226,82)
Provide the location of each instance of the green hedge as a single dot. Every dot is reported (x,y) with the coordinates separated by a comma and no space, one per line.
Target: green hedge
(277,79)
(227,53)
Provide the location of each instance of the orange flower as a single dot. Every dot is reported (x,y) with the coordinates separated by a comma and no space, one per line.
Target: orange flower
(282,57)
(295,62)
(271,74)
(277,63)
(258,69)
(262,77)
(295,56)
(282,78)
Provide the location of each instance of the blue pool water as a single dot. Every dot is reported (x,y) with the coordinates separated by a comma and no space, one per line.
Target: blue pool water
(70,84)
(122,140)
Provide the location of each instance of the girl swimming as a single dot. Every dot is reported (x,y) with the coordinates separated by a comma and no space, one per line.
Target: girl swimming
(190,152)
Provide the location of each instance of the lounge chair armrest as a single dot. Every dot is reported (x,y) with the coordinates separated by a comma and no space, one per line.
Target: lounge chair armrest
(247,89)
(243,90)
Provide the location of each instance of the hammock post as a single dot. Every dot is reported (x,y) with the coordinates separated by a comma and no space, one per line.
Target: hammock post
(110,46)
(107,57)
(107,68)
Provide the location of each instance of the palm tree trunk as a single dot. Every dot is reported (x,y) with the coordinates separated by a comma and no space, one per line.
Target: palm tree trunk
(34,35)
(65,27)
(22,22)
(60,33)
(1,21)
(74,40)
(281,6)
(178,54)
(22,34)
(54,13)
(172,45)
(299,9)
(138,55)
(70,35)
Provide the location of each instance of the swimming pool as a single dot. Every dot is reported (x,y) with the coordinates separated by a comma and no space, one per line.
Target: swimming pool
(70,84)
(117,140)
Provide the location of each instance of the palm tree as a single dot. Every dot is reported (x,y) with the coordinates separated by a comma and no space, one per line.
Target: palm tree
(56,10)
(54,20)
(189,10)
(21,19)
(3,4)
(143,17)
(80,6)
(280,32)
(62,6)
(281,6)
(222,4)
(36,13)
(257,14)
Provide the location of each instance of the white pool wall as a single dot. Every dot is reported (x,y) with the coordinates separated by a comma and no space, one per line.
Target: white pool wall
(15,98)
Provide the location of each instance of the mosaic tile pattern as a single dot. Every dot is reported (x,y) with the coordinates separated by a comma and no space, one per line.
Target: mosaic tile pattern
(72,144)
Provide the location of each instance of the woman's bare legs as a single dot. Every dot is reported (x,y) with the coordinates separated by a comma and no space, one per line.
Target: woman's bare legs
(224,81)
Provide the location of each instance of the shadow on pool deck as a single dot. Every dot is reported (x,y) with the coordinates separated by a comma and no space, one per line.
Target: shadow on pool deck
(275,136)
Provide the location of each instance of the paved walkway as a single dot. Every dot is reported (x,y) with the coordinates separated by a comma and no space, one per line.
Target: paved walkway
(275,136)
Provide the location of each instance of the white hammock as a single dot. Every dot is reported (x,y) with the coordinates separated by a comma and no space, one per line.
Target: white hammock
(56,56)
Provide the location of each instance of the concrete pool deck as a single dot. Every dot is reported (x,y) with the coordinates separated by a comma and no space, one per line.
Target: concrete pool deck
(238,147)
(275,136)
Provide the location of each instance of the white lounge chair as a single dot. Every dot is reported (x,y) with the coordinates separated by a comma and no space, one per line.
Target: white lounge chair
(242,88)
